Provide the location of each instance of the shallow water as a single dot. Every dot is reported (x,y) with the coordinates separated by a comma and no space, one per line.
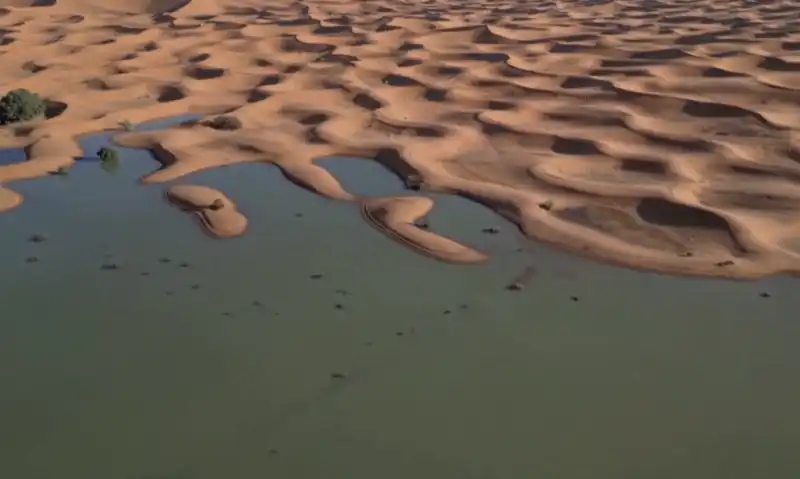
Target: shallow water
(218,362)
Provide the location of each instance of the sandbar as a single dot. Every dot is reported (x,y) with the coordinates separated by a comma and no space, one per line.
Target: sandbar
(215,211)
(396,216)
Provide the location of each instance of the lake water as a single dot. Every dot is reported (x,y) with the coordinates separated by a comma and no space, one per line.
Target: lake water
(207,359)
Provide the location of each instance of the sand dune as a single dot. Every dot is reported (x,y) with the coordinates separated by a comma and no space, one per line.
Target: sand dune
(216,212)
(396,218)
(662,135)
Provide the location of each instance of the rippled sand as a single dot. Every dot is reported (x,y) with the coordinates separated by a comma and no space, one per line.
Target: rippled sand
(655,134)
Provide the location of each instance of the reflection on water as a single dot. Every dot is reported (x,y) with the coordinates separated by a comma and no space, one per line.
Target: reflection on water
(315,347)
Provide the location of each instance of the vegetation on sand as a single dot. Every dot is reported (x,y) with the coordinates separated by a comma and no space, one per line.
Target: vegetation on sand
(20,105)
(107,155)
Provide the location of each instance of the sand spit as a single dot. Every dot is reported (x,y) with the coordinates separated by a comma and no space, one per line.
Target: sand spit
(660,135)
(396,217)
(216,212)
(9,199)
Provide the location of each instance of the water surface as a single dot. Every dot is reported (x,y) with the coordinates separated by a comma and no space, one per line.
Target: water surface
(200,358)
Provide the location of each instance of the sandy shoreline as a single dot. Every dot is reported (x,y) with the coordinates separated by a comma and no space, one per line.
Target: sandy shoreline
(664,138)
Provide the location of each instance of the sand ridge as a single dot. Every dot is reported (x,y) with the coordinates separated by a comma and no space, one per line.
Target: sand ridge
(215,211)
(661,135)
(396,217)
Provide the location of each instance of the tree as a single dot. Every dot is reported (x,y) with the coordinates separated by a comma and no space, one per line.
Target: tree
(20,105)
(107,155)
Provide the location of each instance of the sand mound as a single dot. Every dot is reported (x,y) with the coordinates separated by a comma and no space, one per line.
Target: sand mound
(396,218)
(8,199)
(216,212)
(663,135)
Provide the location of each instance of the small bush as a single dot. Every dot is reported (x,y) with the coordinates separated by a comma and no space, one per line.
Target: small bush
(107,155)
(127,125)
(224,122)
(20,105)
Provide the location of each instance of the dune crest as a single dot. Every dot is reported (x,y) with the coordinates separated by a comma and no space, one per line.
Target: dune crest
(660,135)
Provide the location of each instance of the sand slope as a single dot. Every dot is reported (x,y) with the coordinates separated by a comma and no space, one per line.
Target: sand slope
(662,135)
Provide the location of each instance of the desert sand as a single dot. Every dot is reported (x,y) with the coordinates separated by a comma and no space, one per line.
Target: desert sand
(396,218)
(653,134)
(215,211)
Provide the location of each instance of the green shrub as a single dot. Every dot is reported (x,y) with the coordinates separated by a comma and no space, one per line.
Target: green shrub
(127,125)
(107,155)
(20,105)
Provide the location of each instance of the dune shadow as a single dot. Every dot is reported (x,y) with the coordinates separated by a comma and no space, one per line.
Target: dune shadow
(204,73)
(661,212)
(54,108)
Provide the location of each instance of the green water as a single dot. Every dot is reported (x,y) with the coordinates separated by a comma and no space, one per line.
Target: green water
(218,363)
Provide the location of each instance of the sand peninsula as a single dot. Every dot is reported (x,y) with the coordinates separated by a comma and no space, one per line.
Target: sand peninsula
(660,135)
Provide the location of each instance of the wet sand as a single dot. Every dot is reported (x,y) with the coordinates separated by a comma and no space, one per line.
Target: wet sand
(659,135)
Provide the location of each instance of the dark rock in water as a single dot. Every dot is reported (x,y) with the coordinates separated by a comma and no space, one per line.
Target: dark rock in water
(195,286)
(492,230)
(226,313)
(338,375)
(317,276)
(339,306)
(399,333)
(463,306)
(164,260)
(414,182)
(184,264)
(37,238)
(298,215)
(765,295)
(446,312)
(257,303)
(514,287)
(574,298)
(110,267)
(31,259)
